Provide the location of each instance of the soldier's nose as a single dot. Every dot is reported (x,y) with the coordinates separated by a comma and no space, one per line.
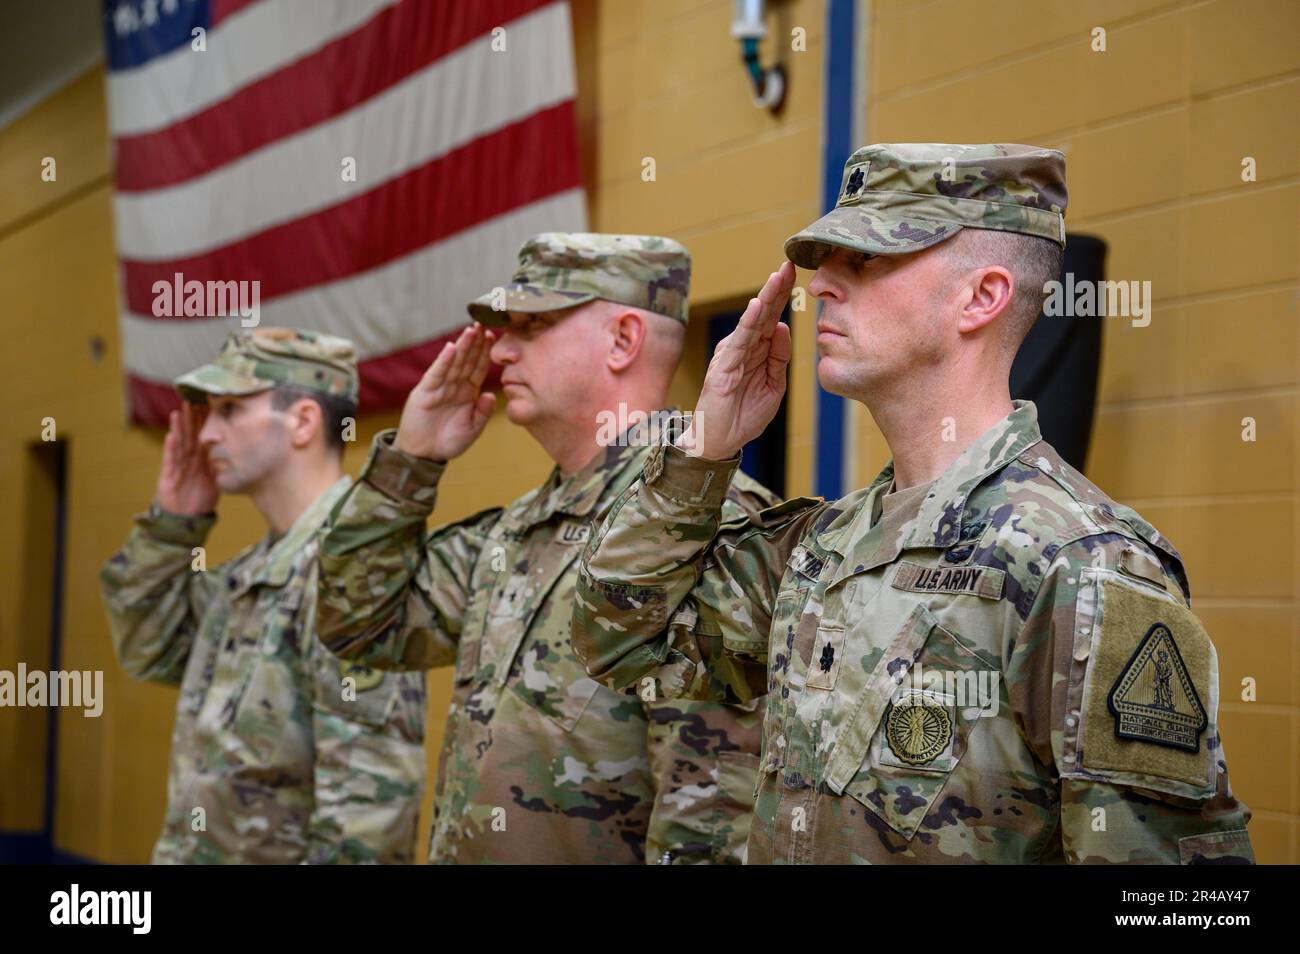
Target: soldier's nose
(504,349)
(820,286)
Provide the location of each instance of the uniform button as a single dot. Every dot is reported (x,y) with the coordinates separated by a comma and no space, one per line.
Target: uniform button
(1070,720)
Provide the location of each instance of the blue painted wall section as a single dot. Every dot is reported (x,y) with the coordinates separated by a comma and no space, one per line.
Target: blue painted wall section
(837,146)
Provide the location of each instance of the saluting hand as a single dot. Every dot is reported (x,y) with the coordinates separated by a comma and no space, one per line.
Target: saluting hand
(186,482)
(746,378)
(447,410)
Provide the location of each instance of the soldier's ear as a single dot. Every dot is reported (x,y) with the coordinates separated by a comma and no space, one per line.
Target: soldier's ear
(304,420)
(986,295)
(628,331)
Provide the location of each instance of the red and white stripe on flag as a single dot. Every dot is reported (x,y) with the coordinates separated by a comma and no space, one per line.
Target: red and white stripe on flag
(232,164)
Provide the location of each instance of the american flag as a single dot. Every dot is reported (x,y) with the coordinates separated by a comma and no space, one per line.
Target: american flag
(234,124)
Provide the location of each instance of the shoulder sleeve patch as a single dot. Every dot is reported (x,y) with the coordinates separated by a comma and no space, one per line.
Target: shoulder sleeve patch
(1150,678)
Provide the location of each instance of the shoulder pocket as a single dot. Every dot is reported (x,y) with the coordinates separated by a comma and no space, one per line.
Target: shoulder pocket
(1144,681)
(262,666)
(484,540)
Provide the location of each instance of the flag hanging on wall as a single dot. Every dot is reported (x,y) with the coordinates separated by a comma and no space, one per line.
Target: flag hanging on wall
(358,167)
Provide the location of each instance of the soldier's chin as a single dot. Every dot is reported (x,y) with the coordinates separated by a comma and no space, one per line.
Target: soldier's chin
(834,378)
(228,481)
(519,410)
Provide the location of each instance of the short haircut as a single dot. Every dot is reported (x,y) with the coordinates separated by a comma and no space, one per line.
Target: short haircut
(333,410)
(1032,261)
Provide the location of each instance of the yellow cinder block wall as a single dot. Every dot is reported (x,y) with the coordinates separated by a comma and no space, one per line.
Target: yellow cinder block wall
(1191,83)
(1155,130)
(655,79)
(57,275)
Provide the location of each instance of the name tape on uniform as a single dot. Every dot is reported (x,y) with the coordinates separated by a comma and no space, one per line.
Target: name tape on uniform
(985,581)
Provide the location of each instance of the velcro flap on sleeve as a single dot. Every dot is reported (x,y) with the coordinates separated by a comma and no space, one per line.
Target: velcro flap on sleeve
(1150,689)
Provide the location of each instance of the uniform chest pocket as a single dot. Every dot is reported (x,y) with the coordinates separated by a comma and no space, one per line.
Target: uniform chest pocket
(792,623)
(270,697)
(544,672)
(358,693)
(525,629)
(201,668)
(471,638)
(521,603)
(563,700)
(914,722)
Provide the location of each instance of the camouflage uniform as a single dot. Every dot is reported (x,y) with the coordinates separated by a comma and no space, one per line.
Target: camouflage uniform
(999,666)
(285,765)
(539,763)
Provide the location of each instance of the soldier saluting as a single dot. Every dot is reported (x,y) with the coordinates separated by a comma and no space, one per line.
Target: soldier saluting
(539,763)
(280,754)
(960,659)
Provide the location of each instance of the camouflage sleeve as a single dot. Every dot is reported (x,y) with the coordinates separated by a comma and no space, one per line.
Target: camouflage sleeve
(668,592)
(391,596)
(154,594)
(704,760)
(368,734)
(1116,683)
(704,755)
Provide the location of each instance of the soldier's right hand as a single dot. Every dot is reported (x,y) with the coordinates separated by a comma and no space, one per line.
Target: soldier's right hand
(186,482)
(447,410)
(746,378)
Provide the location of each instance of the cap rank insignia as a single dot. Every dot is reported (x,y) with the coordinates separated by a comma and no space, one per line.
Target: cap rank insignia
(855,182)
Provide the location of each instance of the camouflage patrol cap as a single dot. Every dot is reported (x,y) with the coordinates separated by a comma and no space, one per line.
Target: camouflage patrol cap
(565,269)
(251,362)
(903,197)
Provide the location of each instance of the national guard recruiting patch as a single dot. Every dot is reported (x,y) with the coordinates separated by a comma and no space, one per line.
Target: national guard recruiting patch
(363,676)
(1154,699)
(1148,687)
(917,732)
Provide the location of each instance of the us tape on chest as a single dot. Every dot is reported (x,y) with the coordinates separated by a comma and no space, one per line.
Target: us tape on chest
(1148,693)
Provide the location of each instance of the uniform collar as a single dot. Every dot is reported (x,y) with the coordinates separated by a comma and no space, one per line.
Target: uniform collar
(938,519)
(585,491)
(938,522)
(271,562)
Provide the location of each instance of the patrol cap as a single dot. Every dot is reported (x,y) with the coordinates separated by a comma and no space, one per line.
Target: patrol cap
(903,197)
(565,269)
(251,362)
